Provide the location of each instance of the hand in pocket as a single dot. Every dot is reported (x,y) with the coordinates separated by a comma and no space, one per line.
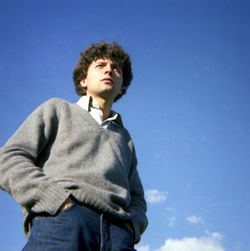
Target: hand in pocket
(67,204)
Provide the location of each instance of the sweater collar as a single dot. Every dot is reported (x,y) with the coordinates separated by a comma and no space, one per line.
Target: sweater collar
(89,104)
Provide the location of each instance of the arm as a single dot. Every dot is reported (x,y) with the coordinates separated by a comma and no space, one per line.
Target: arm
(19,174)
(137,205)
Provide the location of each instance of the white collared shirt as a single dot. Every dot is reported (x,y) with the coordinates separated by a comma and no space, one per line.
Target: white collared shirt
(89,104)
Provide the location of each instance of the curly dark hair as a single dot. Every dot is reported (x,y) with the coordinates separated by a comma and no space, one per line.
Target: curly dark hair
(102,50)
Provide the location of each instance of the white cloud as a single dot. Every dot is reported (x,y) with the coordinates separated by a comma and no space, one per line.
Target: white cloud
(215,235)
(195,219)
(155,196)
(207,243)
(143,248)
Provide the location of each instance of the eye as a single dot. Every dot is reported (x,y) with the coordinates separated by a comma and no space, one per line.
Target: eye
(100,65)
(117,68)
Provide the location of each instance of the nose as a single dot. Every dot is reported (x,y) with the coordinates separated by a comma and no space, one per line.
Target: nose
(108,68)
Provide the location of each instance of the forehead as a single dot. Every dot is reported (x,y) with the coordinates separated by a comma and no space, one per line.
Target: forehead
(106,60)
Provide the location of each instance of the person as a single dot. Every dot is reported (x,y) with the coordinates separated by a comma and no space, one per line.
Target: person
(73,167)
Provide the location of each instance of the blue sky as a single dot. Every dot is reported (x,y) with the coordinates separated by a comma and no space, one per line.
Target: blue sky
(187,108)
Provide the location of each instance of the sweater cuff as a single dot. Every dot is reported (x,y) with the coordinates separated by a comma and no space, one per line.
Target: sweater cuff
(50,198)
(139,224)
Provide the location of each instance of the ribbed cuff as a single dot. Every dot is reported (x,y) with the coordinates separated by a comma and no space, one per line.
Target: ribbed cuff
(50,199)
(137,232)
(139,223)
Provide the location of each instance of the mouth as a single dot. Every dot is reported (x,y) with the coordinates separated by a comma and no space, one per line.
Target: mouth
(107,80)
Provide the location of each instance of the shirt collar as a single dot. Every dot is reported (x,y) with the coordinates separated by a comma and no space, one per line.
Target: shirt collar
(84,102)
(88,103)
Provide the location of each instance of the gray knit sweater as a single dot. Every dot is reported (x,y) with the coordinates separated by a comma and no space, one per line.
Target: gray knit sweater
(60,150)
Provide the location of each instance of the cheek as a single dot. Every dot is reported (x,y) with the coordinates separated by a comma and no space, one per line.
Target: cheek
(120,80)
(119,84)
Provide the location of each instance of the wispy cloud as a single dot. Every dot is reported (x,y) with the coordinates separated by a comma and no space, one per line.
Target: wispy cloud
(171,218)
(155,196)
(210,242)
(215,235)
(194,219)
(142,248)
(171,221)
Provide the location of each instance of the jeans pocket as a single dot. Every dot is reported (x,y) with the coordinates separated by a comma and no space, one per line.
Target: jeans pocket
(47,216)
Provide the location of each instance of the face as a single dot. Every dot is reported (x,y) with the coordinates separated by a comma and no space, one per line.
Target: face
(104,79)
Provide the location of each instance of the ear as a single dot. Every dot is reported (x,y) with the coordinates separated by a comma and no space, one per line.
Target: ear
(83,83)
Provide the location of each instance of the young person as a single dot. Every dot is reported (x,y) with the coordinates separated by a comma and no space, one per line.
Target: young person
(73,167)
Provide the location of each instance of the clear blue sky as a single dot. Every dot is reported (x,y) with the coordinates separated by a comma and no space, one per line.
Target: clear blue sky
(187,108)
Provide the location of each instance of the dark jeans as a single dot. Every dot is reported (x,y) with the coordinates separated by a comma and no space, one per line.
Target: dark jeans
(79,228)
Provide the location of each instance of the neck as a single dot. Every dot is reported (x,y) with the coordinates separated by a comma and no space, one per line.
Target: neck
(105,105)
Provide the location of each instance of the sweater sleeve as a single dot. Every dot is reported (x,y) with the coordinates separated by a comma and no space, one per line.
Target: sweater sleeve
(19,174)
(137,206)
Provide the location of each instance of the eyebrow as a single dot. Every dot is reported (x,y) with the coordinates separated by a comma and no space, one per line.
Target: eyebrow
(103,61)
(100,61)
